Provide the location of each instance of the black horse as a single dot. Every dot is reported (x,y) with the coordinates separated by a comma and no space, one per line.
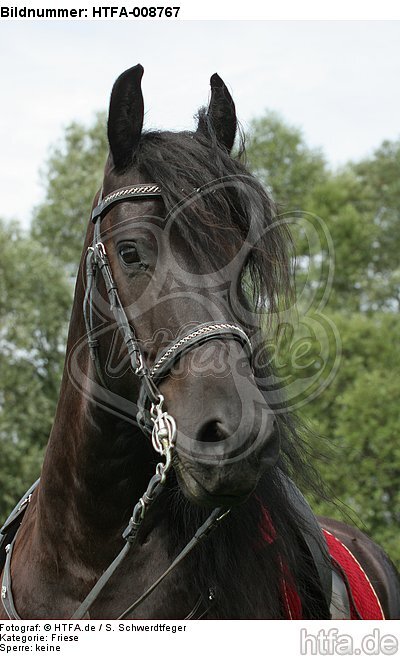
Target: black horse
(163,400)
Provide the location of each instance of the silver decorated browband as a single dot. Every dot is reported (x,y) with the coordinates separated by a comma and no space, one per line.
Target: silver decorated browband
(148,190)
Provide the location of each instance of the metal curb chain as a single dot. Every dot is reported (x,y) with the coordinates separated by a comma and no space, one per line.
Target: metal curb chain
(163,439)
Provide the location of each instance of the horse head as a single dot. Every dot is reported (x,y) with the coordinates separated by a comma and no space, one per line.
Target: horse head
(192,254)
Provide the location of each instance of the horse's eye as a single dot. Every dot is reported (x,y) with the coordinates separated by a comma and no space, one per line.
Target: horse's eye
(129,254)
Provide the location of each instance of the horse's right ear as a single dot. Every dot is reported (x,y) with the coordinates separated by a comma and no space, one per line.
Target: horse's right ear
(125,116)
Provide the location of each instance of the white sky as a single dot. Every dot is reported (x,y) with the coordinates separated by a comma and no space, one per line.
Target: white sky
(338,81)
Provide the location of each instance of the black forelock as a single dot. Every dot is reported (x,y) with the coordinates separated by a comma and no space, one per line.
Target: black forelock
(227,203)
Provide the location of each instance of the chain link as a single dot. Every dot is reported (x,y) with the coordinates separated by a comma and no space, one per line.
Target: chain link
(163,435)
(163,439)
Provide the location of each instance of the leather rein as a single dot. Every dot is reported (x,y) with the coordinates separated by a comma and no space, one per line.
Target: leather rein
(155,422)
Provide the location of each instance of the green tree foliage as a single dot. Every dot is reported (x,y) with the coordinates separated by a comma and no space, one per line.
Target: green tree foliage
(351,234)
(279,156)
(356,423)
(380,181)
(72,175)
(349,218)
(358,206)
(35,299)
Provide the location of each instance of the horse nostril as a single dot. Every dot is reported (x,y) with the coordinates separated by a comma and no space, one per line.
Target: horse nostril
(212,431)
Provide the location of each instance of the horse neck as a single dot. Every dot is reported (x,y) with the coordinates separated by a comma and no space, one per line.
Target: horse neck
(96,464)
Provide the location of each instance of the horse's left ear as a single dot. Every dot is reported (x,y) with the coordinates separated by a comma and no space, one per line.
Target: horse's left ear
(125,116)
(221,114)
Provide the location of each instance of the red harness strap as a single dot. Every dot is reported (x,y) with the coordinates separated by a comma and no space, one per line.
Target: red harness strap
(364,603)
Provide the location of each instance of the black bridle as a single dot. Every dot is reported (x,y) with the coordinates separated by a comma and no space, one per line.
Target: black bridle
(97,259)
(156,421)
